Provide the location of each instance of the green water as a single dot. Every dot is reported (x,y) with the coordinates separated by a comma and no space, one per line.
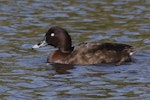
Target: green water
(24,73)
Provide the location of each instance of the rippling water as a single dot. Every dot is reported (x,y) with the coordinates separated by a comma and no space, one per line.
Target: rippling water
(24,73)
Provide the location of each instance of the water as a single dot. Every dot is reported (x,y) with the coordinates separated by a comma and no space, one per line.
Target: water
(24,73)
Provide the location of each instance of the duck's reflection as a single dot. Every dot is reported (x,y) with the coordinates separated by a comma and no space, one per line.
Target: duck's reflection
(62,68)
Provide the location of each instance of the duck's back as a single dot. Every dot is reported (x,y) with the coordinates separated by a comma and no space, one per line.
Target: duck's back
(97,53)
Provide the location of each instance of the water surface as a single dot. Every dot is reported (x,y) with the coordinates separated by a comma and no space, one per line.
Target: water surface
(24,73)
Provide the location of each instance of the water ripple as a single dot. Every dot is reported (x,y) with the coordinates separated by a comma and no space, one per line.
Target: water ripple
(25,75)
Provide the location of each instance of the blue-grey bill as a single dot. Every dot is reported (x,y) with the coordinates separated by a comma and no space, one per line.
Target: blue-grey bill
(41,44)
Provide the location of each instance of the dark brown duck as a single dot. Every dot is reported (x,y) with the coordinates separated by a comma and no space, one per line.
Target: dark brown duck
(84,53)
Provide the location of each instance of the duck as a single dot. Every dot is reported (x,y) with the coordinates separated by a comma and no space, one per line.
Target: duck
(87,53)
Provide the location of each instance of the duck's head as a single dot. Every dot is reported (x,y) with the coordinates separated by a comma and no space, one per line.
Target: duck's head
(57,37)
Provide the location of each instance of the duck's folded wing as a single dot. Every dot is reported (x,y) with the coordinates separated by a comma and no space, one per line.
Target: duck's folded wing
(95,46)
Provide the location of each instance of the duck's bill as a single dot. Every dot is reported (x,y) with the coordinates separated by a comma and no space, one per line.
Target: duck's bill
(41,44)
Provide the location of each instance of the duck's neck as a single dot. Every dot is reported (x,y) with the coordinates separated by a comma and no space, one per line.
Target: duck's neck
(66,45)
(66,51)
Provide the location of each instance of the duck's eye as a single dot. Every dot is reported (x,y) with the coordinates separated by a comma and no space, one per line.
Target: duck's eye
(52,34)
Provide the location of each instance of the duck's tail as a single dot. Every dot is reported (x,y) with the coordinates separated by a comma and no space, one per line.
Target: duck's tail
(134,50)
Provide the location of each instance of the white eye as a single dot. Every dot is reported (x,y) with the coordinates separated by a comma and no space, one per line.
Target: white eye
(52,34)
